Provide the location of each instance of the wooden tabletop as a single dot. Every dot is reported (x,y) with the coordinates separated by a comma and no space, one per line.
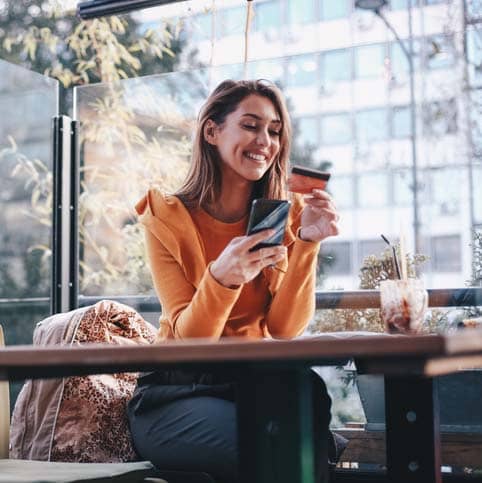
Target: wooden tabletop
(378,353)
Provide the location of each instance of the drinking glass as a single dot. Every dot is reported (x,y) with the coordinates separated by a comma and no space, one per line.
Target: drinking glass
(403,304)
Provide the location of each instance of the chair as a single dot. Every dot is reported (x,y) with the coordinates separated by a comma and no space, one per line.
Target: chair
(22,471)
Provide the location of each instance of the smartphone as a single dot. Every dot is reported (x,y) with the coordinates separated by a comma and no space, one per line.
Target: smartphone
(268,214)
(303,180)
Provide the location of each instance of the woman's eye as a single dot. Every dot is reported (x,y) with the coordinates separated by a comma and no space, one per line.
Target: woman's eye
(275,133)
(249,126)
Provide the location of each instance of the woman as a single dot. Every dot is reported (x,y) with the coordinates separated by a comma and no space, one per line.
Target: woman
(210,284)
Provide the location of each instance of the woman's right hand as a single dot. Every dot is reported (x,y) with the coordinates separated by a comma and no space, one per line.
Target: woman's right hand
(237,265)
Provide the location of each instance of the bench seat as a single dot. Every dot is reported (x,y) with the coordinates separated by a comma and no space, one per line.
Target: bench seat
(27,471)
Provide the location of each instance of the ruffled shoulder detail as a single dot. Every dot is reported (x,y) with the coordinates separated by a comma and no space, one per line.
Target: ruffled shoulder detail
(166,217)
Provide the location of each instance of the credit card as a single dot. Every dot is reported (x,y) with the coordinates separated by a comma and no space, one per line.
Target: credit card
(304,180)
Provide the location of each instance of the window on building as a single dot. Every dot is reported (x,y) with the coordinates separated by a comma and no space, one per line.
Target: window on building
(371,125)
(445,189)
(232,21)
(402,187)
(439,51)
(337,258)
(373,190)
(440,118)
(435,2)
(474,10)
(331,10)
(201,27)
(302,70)
(401,122)
(445,253)
(301,11)
(228,71)
(336,129)
(474,55)
(398,4)
(476,121)
(369,61)
(343,191)
(477,194)
(398,58)
(308,130)
(272,70)
(268,16)
(370,247)
(336,65)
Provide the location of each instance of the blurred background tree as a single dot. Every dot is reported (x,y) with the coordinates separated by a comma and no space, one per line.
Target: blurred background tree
(41,36)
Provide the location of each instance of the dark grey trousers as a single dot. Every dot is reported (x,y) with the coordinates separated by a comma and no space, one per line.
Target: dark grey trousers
(192,426)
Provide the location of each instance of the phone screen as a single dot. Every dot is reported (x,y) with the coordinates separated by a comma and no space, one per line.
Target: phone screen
(268,214)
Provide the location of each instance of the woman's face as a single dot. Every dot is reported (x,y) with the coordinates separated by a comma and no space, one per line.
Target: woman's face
(248,141)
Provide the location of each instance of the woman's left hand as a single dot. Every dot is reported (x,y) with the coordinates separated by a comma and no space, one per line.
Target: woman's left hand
(319,218)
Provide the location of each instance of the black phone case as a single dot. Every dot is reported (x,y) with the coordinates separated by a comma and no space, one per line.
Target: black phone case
(268,214)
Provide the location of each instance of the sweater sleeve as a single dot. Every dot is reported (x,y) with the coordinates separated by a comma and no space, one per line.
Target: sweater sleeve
(293,301)
(293,305)
(191,311)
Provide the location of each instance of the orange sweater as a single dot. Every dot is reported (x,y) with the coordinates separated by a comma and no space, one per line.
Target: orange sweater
(181,245)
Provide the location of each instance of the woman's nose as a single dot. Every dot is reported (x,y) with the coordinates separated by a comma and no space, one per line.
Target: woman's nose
(263,138)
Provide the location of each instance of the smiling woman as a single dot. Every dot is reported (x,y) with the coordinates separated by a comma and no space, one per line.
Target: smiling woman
(212,284)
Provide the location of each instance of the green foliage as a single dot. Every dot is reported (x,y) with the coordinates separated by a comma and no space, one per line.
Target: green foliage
(137,153)
(41,37)
(476,280)
(123,156)
(24,269)
(377,268)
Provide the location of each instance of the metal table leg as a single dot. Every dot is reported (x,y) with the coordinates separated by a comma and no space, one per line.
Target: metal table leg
(275,426)
(412,425)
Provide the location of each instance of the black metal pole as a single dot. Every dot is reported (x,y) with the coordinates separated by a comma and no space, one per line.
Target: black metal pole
(55,288)
(74,219)
(64,291)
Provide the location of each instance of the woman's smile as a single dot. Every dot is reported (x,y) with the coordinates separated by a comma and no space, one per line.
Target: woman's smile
(261,158)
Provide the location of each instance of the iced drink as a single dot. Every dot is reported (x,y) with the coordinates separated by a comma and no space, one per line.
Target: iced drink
(403,304)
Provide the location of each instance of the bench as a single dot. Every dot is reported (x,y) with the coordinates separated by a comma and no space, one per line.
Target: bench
(459,450)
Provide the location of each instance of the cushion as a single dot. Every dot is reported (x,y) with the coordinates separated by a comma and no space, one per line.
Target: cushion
(87,419)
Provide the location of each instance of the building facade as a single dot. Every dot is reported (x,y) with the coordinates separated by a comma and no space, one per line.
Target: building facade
(348,80)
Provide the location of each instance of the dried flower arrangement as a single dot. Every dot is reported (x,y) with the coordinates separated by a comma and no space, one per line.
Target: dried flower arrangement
(376,268)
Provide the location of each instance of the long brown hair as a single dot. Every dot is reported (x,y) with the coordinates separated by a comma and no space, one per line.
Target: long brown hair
(203,183)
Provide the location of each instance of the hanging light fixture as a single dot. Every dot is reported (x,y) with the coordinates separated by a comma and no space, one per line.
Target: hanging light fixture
(100,8)
(373,5)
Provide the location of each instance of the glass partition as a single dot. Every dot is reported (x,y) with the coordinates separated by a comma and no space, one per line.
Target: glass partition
(28,102)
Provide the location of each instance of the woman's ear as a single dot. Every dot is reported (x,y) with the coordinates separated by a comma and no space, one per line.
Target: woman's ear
(210,132)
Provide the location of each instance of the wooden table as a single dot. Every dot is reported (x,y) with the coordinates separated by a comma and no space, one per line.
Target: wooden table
(275,404)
